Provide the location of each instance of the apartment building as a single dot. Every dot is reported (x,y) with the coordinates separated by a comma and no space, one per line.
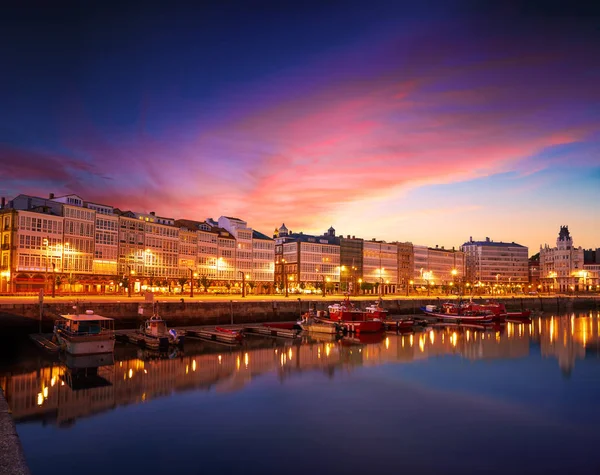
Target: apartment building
(500,263)
(380,265)
(351,262)
(406,266)
(304,262)
(562,267)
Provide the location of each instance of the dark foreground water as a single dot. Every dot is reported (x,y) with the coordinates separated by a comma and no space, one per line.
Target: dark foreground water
(518,399)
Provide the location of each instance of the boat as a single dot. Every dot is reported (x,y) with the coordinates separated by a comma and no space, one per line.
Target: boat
(312,324)
(467,316)
(85,334)
(351,318)
(377,311)
(154,330)
(498,309)
(237,335)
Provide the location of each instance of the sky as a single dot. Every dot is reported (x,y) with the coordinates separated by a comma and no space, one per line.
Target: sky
(429,122)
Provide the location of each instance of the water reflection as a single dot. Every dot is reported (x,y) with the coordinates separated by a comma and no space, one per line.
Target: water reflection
(76,387)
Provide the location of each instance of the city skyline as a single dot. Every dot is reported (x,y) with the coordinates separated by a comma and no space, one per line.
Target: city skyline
(429,125)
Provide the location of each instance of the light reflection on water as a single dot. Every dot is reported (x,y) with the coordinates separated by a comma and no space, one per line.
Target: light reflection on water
(64,394)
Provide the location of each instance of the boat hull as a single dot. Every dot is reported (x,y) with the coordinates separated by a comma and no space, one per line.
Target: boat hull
(85,345)
(459,318)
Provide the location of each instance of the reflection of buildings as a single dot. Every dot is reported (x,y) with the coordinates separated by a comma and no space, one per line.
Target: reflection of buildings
(47,393)
(567,337)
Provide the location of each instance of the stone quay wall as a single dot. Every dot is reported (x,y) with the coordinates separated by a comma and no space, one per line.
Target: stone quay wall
(12,460)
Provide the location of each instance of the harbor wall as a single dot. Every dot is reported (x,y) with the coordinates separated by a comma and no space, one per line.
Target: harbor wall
(26,317)
(12,460)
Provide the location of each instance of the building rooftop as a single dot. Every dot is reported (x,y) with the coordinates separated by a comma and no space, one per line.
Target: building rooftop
(492,244)
(258,235)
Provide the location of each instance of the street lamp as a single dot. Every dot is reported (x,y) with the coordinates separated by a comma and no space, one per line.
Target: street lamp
(53,280)
(45,241)
(284,275)
(131,273)
(192,275)
(244,276)
(381,270)
(454,272)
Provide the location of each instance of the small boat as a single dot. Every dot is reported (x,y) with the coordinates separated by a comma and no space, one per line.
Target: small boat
(154,330)
(85,334)
(237,335)
(312,324)
(467,316)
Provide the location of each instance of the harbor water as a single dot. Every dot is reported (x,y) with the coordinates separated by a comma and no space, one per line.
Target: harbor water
(520,398)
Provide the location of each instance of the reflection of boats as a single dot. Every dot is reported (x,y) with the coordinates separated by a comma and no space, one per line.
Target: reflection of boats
(169,354)
(400,325)
(363,338)
(87,361)
(81,372)
(155,334)
(85,334)
(467,316)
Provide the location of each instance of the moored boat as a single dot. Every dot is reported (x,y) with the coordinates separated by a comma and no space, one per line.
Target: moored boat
(376,311)
(236,335)
(85,334)
(467,316)
(353,319)
(155,333)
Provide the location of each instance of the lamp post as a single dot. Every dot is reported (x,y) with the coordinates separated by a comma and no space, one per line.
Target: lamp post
(497,288)
(53,280)
(284,276)
(244,283)
(130,273)
(46,242)
(191,282)
(454,272)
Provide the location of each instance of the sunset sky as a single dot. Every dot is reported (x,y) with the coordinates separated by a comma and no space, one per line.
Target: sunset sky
(428,123)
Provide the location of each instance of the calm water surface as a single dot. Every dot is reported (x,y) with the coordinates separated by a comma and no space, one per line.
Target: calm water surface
(524,398)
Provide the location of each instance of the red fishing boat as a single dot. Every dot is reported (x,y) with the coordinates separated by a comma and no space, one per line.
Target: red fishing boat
(498,309)
(377,311)
(353,319)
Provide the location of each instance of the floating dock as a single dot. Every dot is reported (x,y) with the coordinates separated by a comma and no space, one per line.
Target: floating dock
(44,341)
(137,338)
(213,335)
(276,332)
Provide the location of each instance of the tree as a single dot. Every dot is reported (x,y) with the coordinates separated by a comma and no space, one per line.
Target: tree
(182,281)
(302,286)
(228,286)
(251,284)
(366,286)
(205,282)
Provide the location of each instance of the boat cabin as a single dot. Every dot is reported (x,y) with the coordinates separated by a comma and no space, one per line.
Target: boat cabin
(85,325)
(155,326)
